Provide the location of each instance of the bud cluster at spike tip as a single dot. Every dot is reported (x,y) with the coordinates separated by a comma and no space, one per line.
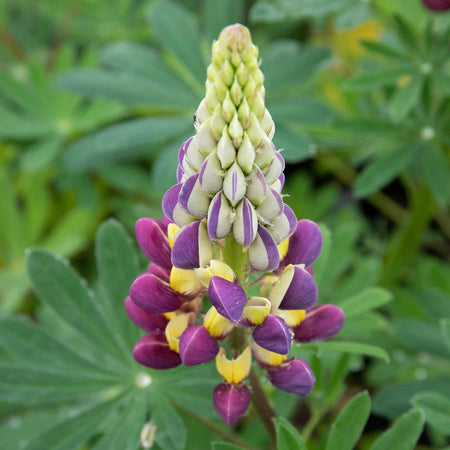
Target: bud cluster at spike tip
(230,173)
(190,299)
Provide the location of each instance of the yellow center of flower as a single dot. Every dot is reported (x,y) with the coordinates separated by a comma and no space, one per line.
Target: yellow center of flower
(234,370)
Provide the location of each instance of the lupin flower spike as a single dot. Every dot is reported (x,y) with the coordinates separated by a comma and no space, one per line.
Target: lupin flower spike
(224,223)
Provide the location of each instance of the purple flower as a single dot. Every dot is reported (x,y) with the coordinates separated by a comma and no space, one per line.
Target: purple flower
(146,320)
(437,5)
(304,245)
(228,298)
(231,401)
(273,335)
(321,322)
(153,351)
(293,376)
(197,346)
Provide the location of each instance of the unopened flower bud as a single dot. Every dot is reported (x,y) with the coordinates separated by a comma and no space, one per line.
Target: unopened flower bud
(235,130)
(246,155)
(226,151)
(321,322)
(294,376)
(231,401)
(234,185)
(153,351)
(197,346)
(211,174)
(245,223)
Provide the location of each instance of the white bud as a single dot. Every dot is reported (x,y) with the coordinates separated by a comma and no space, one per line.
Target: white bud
(246,155)
(236,92)
(205,138)
(228,108)
(234,185)
(235,130)
(193,156)
(217,122)
(225,150)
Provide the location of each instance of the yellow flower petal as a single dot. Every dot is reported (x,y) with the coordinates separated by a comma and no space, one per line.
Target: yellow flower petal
(255,311)
(175,329)
(283,247)
(280,288)
(292,317)
(217,325)
(172,230)
(216,268)
(184,281)
(267,357)
(234,370)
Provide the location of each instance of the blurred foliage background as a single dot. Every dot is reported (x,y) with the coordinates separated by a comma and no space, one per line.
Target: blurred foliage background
(95,98)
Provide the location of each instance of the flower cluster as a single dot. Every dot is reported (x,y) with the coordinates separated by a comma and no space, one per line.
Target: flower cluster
(226,229)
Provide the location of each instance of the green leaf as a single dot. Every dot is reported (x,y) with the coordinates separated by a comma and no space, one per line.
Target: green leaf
(60,288)
(405,98)
(170,431)
(349,424)
(217,14)
(124,141)
(25,385)
(395,399)
(224,446)
(445,329)
(297,145)
(25,342)
(403,434)
(164,169)
(367,300)
(288,438)
(346,347)
(436,408)
(124,430)
(117,268)
(284,64)
(164,91)
(382,170)
(421,336)
(437,173)
(74,431)
(384,50)
(374,79)
(41,155)
(175,29)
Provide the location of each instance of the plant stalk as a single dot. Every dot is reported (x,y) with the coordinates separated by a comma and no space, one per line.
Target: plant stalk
(262,406)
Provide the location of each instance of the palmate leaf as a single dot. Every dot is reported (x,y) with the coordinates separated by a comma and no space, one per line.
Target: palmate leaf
(84,377)
(436,408)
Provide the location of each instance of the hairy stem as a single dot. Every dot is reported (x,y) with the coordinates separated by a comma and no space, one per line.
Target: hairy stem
(226,433)
(262,405)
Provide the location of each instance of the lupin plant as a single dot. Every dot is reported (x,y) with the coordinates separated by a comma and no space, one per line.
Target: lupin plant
(225,228)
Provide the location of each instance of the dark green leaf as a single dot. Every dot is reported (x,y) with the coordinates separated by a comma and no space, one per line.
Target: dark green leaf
(382,170)
(117,269)
(170,431)
(395,399)
(374,79)
(288,438)
(217,14)
(71,433)
(129,140)
(224,446)
(176,31)
(297,145)
(367,300)
(285,64)
(61,289)
(403,434)
(347,347)
(129,88)
(349,424)
(124,430)
(405,98)
(437,173)
(436,408)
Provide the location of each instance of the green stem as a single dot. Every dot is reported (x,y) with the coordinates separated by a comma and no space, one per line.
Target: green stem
(227,434)
(235,257)
(312,423)
(407,241)
(262,406)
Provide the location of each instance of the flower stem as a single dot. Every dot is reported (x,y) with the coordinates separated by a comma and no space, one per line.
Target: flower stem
(262,406)
(227,434)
